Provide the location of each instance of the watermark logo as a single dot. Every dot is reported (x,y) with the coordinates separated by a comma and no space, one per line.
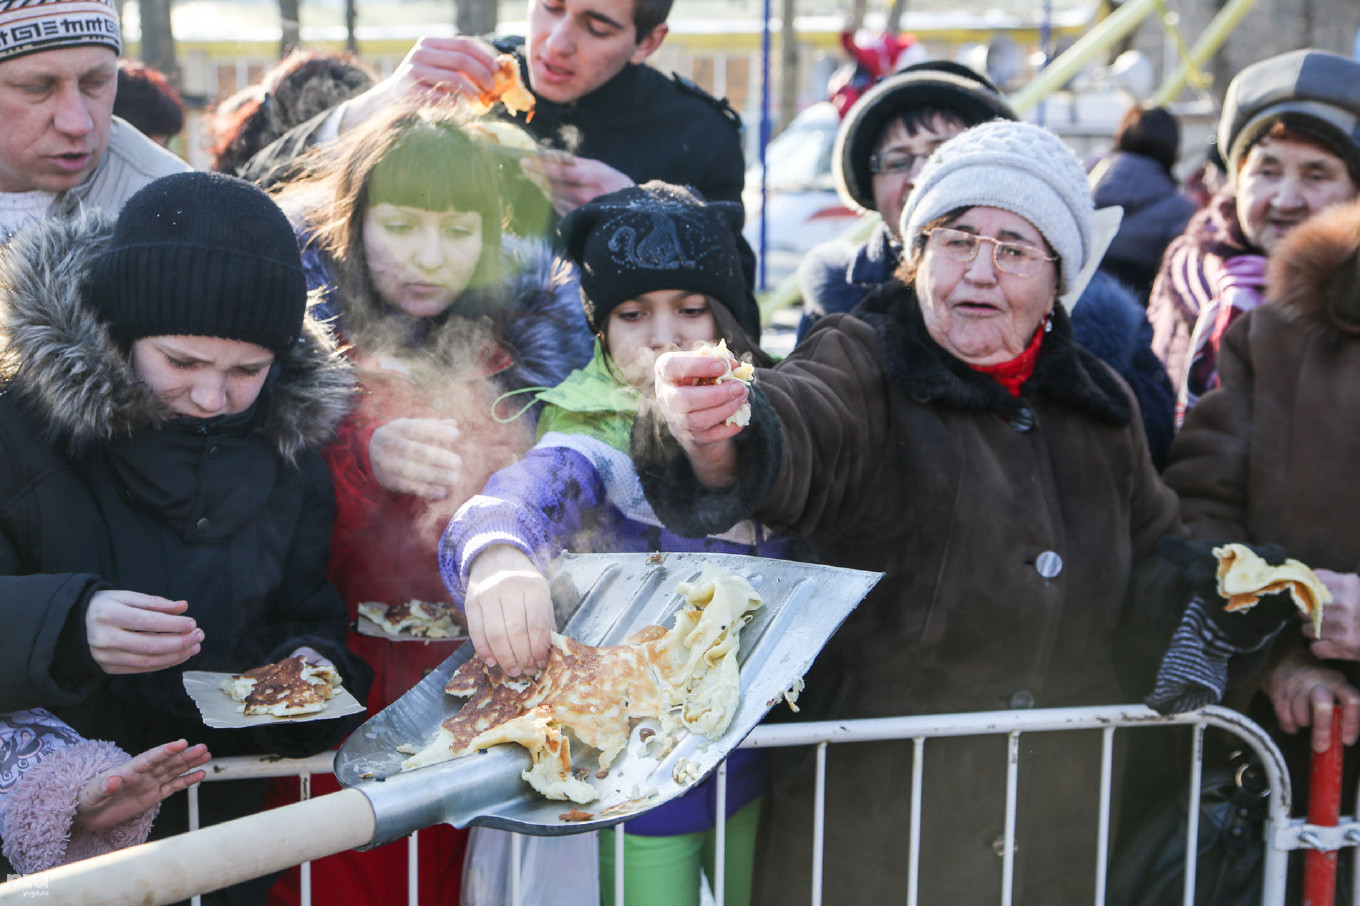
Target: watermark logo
(31,885)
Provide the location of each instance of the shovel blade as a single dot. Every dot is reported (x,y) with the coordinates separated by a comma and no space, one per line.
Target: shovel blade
(609,597)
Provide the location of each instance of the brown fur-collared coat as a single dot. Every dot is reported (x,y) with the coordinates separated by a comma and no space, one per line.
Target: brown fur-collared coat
(1271,456)
(1018,538)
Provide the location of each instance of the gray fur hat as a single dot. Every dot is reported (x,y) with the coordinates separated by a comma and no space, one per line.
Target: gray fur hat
(1313,85)
(937,83)
(1016,167)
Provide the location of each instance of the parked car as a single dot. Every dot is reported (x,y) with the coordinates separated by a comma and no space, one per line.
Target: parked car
(804,209)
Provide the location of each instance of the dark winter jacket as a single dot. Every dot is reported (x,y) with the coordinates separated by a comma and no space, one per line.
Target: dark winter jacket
(1155,212)
(1109,324)
(1018,538)
(836,276)
(1270,456)
(647,126)
(101,487)
(1107,320)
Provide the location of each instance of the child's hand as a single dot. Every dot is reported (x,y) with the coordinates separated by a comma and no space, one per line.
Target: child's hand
(138,784)
(509,611)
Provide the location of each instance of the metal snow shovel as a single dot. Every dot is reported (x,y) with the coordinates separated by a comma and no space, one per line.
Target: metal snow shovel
(610,596)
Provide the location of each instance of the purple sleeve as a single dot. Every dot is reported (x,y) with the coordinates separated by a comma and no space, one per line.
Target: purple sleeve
(532,505)
(42,809)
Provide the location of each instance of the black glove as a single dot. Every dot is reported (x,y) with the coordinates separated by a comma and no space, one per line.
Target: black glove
(1244,630)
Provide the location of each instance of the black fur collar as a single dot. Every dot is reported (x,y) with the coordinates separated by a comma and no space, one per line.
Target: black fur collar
(1065,373)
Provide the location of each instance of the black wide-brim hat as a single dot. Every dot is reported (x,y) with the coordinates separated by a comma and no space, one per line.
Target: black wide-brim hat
(937,83)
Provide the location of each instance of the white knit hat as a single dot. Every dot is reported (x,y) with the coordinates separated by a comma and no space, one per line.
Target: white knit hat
(1016,167)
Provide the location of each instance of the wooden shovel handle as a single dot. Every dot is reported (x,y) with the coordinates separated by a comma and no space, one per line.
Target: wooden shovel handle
(176,868)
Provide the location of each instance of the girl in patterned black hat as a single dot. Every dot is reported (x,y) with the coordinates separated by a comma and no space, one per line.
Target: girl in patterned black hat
(659,271)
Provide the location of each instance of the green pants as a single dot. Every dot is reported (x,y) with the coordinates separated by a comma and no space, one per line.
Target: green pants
(664,871)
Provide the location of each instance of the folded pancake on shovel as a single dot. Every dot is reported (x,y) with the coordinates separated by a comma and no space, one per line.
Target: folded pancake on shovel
(1243,577)
(686,677)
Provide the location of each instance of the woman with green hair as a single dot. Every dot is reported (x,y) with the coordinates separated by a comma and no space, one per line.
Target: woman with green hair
(444,311)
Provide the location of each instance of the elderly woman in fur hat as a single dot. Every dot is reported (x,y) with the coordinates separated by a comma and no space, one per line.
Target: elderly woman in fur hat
(1270,457)
(952,434)
(165,500)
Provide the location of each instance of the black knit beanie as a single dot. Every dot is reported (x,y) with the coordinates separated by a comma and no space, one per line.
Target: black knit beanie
(202,254)
(658,236)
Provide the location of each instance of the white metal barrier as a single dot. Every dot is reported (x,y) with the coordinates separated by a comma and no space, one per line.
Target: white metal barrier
(1282,833)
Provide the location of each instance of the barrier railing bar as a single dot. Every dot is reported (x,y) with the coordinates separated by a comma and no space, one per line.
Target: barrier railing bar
(720,838)
(818,825)
(618,865)
(1103,834)
(193,825)
(1279,830)
(1008,836)
(918,764)
(412,869)
(305,869)
(1192,812)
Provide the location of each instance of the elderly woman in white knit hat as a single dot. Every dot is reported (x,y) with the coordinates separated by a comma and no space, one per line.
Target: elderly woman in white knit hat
(953,435)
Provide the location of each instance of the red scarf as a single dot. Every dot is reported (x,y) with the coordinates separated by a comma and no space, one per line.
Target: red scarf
(1013,373)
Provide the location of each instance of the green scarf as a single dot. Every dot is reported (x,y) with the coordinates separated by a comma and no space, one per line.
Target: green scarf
(591,401)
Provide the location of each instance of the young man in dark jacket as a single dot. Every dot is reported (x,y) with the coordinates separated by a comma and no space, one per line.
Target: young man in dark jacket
(620,122)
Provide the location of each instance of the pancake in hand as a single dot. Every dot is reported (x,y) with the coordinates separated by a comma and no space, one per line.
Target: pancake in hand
(736,371)
(1243,577)
(285,689)
(508,89)
(686,677)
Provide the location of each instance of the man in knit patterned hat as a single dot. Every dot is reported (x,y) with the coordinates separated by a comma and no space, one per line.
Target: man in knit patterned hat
(61,147)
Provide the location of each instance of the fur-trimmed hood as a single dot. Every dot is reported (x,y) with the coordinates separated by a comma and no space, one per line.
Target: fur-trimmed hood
(1314,275)
(58,356)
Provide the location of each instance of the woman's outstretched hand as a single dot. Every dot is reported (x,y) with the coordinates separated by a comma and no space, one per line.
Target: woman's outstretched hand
(509,611)
(138,784)
(696,413)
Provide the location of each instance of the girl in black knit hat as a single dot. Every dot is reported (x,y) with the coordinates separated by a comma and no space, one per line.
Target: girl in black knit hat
(166,508)
(659,271)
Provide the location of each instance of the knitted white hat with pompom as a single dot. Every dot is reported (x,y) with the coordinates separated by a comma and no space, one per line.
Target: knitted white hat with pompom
(1017,167)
